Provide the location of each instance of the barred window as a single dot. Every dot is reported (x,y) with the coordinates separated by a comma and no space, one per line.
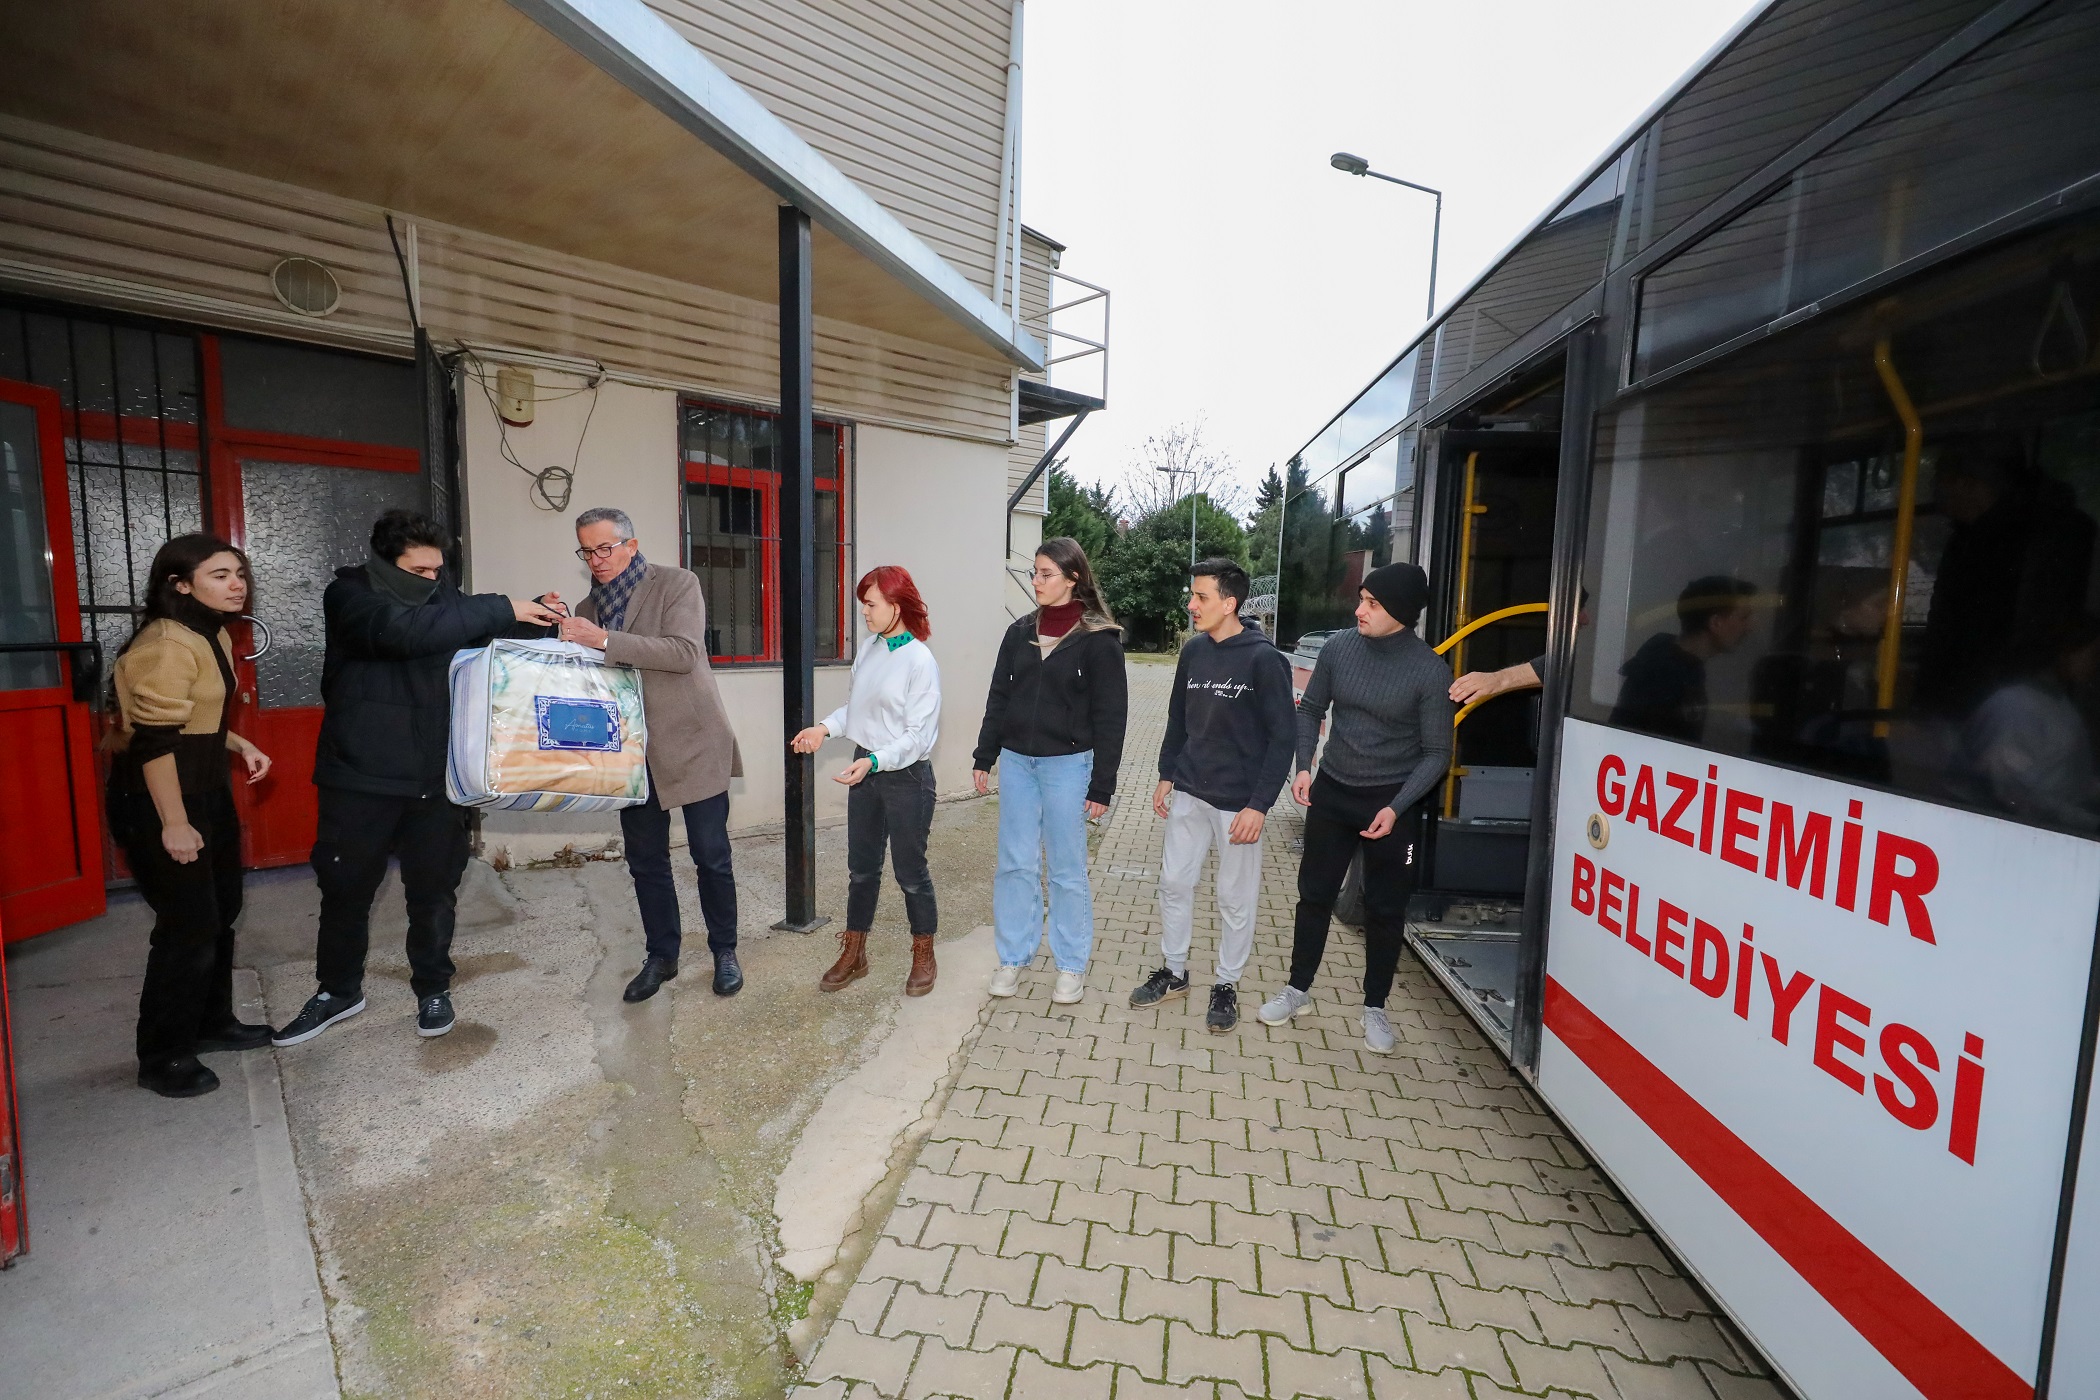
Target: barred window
(732,530)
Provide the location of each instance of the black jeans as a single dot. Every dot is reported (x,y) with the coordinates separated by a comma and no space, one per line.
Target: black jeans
(897,809)
(189,962)
(359,830)
(1333,824)
(646,831)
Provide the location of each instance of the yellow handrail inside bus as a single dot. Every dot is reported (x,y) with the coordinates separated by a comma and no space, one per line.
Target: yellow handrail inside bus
(1470,509)
(1477,623)
(1891,653)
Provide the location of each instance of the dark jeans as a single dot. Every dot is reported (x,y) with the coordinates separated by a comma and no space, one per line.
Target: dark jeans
(1332,826)
(189,962)
(646,831)
(359,830)
(897,809)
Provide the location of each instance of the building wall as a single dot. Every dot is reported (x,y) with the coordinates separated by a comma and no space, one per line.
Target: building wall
(931,503)
(82,219)
(907,98)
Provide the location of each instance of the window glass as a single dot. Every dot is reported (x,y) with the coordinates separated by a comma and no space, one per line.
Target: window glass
(274,387)
(732,529)
(1750,589)
(2008,126)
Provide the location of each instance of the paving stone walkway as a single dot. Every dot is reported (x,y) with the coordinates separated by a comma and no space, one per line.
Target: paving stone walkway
(1117,1203)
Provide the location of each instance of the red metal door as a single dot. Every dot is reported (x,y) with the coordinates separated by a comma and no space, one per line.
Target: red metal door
(51,869)
(14,1213)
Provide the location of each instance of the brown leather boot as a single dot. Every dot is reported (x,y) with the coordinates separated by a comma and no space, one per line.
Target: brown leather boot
(922,969)
(852,963)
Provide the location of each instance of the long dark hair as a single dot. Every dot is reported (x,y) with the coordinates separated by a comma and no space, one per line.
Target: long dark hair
(177,562)
(1071,561)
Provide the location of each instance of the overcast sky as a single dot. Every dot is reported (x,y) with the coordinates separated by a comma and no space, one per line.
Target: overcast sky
(1179,148)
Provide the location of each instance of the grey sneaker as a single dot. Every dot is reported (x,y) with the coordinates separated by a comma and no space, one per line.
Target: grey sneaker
(1378,1032)
(1285,1004)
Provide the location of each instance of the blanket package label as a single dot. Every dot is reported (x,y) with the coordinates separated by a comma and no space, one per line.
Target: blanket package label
(545,727)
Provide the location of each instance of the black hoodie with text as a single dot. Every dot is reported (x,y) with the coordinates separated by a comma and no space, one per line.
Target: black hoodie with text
(1230,721)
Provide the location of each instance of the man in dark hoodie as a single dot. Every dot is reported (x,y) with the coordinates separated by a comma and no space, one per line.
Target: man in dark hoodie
(393,624)
(1230,731)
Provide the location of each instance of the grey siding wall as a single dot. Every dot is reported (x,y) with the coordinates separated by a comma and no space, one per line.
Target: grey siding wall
(907,97)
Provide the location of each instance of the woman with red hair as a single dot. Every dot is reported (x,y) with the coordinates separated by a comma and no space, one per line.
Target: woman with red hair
(893,718)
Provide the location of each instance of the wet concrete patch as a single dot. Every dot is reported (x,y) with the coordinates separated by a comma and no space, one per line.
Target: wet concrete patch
(462,1046)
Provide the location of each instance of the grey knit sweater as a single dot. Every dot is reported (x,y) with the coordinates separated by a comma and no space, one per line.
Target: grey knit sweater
(1392,714)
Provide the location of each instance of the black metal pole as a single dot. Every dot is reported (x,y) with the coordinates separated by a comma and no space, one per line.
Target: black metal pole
(796,585)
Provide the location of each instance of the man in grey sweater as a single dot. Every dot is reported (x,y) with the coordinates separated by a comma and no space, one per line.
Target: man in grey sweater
(1388,744)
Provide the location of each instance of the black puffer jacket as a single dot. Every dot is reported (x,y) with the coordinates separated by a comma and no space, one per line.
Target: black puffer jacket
(384,682)
(1073,700)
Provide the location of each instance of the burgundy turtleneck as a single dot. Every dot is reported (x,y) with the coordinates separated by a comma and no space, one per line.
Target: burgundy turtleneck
(1055,622)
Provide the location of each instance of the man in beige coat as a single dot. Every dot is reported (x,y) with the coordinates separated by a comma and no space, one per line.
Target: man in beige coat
(652,617)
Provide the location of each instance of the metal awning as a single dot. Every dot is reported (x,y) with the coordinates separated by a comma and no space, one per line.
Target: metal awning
(590,127)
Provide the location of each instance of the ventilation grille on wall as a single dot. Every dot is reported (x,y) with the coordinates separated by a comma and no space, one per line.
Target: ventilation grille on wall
(306,286)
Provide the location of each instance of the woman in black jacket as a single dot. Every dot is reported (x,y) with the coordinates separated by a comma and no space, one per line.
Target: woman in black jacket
(1054,723)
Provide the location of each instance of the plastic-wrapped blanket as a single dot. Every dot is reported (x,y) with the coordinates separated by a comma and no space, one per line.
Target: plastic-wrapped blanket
(545,727)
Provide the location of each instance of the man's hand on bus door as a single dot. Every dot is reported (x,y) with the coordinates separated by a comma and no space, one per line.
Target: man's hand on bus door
(1479,685)
(1381,825)
(1301,788)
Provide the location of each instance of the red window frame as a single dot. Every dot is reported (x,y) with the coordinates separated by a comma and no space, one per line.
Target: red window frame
(767,485)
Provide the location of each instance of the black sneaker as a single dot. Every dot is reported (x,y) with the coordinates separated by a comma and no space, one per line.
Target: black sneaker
(320,1012)
(434,1015)
(177,1077)
(1161,986)
(1224,1011)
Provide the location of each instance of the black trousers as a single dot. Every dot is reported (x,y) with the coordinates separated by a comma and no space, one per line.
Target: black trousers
(1333,826)
(359,831)
(189,962)
(646,831)
(894,809)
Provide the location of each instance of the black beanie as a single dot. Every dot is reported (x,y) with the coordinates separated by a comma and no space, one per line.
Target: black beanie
(1401,589)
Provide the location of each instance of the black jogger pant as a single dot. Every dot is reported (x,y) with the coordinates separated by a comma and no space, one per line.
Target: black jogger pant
(897,809)
(189,962)
(359,830)
(1333,826)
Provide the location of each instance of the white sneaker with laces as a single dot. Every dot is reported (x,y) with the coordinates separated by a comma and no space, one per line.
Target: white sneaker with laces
(1071,986)
(1285,1004)
(1005,982)
(1378,1031)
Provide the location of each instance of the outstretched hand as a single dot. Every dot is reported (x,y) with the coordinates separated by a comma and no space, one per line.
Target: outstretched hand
(810,739)
(534,612)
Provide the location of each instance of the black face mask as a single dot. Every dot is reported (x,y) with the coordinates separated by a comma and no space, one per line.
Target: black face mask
(399,583)
(193,614)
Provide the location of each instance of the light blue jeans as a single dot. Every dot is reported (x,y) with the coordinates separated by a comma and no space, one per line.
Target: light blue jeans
(1042,807)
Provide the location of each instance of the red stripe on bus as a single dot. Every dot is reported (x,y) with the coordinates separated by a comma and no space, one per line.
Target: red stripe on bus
(1927,1346)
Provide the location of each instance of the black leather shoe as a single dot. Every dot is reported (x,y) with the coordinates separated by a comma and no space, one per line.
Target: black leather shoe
(234,1035)
(655,972)
(177,1077)
(729,978)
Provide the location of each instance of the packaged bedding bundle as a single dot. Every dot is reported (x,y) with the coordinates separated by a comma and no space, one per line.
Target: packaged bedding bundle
(545,727)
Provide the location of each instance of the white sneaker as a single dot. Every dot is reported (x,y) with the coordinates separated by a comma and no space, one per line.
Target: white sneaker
(1285,1004)
(1071,986)
(1378,1031)
(1005,982)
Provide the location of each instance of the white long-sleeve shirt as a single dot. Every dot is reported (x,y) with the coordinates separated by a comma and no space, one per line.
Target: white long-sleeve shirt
(894,710)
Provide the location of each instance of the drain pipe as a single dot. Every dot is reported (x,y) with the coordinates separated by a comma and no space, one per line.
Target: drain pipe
(1006,259)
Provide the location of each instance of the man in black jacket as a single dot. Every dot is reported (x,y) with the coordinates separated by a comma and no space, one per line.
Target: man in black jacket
(1231,729)
(393,624)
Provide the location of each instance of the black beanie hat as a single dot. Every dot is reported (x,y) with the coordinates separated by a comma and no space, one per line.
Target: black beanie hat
(1401,589)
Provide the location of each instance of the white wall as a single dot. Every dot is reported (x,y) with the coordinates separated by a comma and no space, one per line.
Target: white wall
(932,504)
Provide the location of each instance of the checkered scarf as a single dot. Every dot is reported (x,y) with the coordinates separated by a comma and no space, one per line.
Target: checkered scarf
(612,595)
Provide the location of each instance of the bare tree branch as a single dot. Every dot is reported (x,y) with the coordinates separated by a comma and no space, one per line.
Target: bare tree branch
(1147,489)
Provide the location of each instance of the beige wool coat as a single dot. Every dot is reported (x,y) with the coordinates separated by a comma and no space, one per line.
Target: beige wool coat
(692,752)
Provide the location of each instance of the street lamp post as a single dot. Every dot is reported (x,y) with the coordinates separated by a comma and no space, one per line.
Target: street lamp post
(1357,165)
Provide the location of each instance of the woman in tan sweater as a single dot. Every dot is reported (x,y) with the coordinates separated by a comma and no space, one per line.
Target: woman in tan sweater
(171,808)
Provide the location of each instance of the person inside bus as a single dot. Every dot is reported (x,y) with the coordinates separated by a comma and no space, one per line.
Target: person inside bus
(2027,749)
(1387,746)
(171,808)
(2015,565)
(393,623)
(1525,675)
(1663,687)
